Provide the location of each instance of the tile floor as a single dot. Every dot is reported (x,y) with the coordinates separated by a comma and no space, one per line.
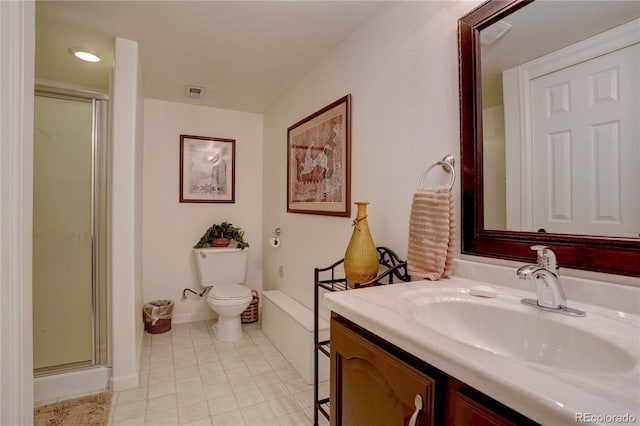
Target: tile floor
(187,377)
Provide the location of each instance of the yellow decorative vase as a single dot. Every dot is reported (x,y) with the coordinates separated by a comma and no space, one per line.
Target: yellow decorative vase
(361,257)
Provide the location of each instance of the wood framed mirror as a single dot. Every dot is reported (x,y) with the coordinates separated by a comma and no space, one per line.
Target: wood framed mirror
(594,251)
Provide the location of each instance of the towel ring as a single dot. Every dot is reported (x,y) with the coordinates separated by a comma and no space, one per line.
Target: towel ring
(447,164)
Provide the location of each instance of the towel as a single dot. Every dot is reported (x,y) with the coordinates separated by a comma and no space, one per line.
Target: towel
(432,233)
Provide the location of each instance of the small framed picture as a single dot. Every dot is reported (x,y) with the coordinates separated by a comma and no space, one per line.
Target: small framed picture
(319,162)
(207,169)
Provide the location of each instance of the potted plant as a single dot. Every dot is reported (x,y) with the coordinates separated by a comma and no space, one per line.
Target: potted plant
(220,235)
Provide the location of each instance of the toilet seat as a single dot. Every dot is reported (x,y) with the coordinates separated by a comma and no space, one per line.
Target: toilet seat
(229,292)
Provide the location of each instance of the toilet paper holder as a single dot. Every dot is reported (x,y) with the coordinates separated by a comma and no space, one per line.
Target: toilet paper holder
(275,241)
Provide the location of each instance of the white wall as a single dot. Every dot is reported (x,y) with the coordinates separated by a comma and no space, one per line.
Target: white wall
(171,228)
(402,71)
(17,49)
(125,277)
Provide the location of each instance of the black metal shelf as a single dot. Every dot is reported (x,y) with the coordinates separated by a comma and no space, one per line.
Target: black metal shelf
(325,278)
(323,406)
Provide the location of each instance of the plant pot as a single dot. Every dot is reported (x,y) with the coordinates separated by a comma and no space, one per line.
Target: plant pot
(220,242)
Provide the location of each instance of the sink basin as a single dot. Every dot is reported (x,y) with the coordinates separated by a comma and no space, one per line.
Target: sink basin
(505,327)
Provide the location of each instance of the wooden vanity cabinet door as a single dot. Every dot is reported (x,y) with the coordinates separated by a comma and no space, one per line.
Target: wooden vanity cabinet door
(469,412)
(472,408)
(370,387)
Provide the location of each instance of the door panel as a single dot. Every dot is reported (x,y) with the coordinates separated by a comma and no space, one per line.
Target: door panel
(585,146)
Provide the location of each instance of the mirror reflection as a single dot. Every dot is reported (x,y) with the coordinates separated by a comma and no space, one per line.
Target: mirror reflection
(560,115)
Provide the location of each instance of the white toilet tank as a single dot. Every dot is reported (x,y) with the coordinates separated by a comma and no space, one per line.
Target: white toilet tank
(220,266)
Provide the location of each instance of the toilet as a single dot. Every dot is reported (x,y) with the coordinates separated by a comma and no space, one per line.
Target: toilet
(223,270)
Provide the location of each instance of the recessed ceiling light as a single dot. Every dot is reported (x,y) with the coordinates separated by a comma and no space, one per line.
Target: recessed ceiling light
(84,54)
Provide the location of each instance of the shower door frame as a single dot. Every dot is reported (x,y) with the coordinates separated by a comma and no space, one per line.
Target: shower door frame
(99,227)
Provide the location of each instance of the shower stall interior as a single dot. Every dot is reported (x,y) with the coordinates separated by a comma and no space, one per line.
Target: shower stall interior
(70,293)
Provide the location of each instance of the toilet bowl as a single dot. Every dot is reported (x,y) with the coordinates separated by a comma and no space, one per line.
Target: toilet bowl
(229,302)
(223,271)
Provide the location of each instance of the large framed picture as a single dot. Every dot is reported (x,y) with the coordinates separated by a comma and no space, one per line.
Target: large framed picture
(319,161)
(207,169)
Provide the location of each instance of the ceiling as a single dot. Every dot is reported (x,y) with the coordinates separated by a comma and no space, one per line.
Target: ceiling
(244,53)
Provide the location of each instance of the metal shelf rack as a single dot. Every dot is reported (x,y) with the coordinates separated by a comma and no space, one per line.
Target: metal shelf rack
(392,268)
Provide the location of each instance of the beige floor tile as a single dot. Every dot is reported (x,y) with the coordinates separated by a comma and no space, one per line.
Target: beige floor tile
(238,373)
(188,361)
(188,384)
(189,378)
(193,412)
(284,405)
(266,378)
(132,395)
(274,390)
(187,372)
(161,403)
(207,358)
(130,410)
(217,391)
(202,422)
(160,389)
(223,405)
(298,385)
(138,421)
(229,364)
(305,399)
(259,414)
(211,367)
(279,364)
(168,418)
(213,378)
(249,398)
(161,376)
(232,418)
(288,374)
(272,355)
(243,384)
(229,354)
(190,397)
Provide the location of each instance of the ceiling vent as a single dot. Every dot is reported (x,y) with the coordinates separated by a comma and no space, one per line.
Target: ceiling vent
(490,34)
(194,92)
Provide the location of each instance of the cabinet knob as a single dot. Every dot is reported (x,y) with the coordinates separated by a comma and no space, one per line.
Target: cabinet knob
(414,417)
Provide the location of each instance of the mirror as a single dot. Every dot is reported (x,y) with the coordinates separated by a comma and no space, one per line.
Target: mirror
(505,184)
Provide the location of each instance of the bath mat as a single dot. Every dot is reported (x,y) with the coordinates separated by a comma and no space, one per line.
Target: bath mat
(92,410)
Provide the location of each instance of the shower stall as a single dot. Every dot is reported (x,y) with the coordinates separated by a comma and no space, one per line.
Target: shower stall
(70,196)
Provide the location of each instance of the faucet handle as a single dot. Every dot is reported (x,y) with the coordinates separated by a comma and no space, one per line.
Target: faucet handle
(546,258)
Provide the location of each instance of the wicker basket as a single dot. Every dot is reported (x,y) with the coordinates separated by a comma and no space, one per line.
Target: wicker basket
(250,314)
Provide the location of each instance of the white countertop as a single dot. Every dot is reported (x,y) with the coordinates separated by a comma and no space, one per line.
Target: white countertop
(550,396)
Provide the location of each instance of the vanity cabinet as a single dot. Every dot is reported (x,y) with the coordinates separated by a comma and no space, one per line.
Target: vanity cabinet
(371,387)
(466,406)
(374,383)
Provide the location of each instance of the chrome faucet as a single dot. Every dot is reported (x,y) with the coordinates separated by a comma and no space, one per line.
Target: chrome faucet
(545,274)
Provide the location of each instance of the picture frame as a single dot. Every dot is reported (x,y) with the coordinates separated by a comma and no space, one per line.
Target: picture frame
(319,162)
(207,169)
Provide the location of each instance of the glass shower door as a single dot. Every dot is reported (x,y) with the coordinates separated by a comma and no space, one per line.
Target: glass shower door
(63,233)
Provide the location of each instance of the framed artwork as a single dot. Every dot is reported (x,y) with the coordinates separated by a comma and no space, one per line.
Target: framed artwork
(207,169)
(319,162)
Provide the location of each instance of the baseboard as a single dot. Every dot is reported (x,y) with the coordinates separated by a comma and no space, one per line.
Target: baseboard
(69,385)
(127,382)
(193,316)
